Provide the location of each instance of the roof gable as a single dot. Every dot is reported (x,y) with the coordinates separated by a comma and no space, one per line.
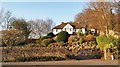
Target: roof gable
(68,26)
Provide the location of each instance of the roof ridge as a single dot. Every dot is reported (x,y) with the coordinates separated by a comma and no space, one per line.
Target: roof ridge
(75,25)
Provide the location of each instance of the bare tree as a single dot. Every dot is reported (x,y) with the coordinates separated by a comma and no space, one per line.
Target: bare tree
(100,15)
(40,27)
(49,24)
(81,19)
(5,18)
(8,18)
(36,27)
(1,17)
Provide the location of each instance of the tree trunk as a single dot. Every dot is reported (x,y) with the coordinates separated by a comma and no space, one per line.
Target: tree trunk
(105,53)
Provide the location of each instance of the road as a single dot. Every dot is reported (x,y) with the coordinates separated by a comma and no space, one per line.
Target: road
(67,62)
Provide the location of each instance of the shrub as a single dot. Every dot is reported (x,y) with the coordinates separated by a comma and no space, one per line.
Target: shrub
(116,42)
(62,36)
(50,35)
(38,41)
(89,37)
(81,40)
(46,42)
(62,44)
(44,37)
(12,37)
(54,45)
(88,54)
(31,45)
(42,58)
(39,52)
(71,38)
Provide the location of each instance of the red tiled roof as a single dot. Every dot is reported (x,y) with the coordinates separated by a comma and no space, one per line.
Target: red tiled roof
(74,24)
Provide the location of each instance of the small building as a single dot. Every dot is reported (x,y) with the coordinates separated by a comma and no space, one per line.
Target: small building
(70,27)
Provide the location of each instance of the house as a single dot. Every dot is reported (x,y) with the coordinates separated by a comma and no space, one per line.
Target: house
(70,27)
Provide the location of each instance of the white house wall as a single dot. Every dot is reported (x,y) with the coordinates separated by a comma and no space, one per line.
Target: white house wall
(77,30)
(56,31)
(83,30)
(93,30)
(68,28)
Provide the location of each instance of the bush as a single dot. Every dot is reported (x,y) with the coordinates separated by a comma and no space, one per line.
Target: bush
(89,37)
(38,52)
(81,40)
(88,54)
(12,37)
(50,35)
(116,42)
(62,44)
(44,37)
(46,42)
(63,36)
(38,41)
(31,45)
(42,58)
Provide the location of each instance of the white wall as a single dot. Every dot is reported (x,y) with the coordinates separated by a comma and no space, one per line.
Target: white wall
(83,30)
(93,30)
(77,30)
(56,31)
(68,28)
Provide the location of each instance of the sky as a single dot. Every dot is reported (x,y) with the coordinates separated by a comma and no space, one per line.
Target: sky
(57,11)
(58,0)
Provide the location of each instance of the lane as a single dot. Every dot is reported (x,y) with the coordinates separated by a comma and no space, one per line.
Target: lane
(67,62)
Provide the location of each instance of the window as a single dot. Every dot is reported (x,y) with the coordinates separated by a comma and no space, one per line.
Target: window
(56,30)
(70,29)
(65,29)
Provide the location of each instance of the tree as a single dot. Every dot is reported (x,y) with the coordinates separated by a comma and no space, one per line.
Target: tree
(104,44)
(117,15)
(81,18)
(98,15)
(1,16)
(22,25)
(40,27)
(37,28)
(49,24)
(8,18)
(105,15)
(12,37)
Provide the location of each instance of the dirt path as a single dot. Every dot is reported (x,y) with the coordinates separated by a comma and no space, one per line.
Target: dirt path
(68,62)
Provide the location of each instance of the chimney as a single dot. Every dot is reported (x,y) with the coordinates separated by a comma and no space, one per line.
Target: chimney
(62,22)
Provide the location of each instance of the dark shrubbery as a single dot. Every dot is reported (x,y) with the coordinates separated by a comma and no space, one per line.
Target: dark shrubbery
(46,42)
(34,53)
(50,35)
(88,54)
(42,58)
(44,37)
(63,36)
